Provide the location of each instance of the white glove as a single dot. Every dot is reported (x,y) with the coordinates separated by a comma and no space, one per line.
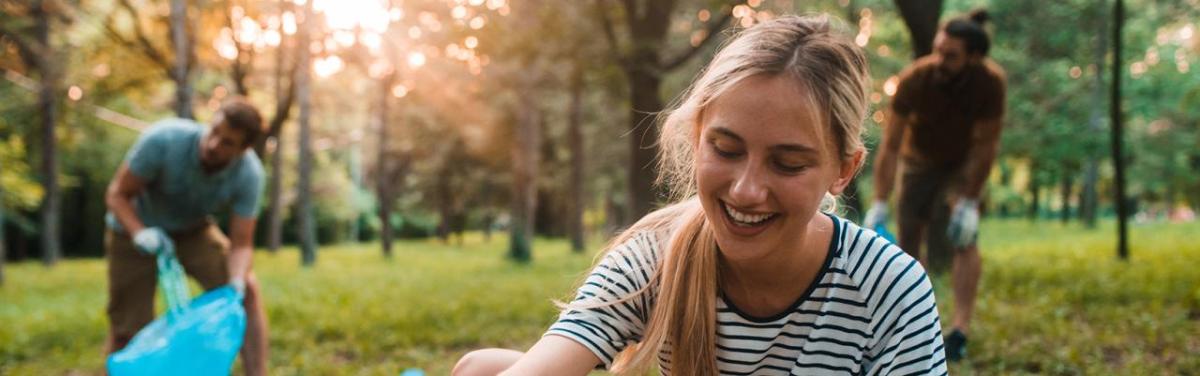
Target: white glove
(876,215)
(964,222)
(153,241)
(239,285)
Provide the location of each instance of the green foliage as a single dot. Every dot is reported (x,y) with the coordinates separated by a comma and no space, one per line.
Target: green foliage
(1053,301)
(21,191)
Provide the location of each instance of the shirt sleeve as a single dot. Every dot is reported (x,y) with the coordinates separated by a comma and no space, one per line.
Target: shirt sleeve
(907,92)
(908,339)
(596,318)
(145,158)
(249,190)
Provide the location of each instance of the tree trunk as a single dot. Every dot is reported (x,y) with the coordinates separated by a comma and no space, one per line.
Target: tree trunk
(1090,199)
(181,41)
(644,88)
(1115,108)
(1035,191)
(48,105)
(444,202)
(383,171)
(525,172)
(575,142)
(275,191)
(644,68)
(240,66)
(488,221)
(1067,184)
(307,229)
(3,243)
(921,17)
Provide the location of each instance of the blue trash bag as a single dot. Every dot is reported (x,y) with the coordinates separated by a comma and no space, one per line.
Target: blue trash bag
(200,337)
(413,372)
(883,231)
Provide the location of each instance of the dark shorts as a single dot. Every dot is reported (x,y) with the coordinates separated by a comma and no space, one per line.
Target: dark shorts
(926,197)
(133,275)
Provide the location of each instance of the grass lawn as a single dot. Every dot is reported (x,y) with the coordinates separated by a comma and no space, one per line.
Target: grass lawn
(1054,300)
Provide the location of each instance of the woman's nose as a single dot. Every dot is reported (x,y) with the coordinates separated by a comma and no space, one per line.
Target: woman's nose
(749,188)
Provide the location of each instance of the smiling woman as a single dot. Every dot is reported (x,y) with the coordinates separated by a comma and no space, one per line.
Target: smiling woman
(745,273)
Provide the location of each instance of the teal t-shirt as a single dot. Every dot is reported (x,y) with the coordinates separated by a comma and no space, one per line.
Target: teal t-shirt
(179,195)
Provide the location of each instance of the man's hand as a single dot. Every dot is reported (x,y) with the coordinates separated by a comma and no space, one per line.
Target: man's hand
(876,215)
(153,241)
(964,222)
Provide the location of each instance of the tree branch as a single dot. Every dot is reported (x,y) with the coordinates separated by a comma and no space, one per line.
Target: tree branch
(147,47)
(610,35)
(710,30)
(29,50)
(283,110)
(238,70)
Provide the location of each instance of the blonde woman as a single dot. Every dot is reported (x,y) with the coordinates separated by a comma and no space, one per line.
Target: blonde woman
(747,274)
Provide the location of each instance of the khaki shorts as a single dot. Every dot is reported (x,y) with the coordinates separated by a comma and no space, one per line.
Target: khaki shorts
(133,275)
(926,197)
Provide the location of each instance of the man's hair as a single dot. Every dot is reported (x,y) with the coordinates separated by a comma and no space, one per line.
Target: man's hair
(242,116)
(969,28)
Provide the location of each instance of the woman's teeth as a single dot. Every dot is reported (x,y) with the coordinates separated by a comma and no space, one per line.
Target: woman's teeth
(744,218)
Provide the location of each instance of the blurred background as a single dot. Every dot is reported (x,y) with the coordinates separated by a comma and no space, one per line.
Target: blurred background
(440,170)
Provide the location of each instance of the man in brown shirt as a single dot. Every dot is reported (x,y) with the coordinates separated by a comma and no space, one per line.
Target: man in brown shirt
(944,129)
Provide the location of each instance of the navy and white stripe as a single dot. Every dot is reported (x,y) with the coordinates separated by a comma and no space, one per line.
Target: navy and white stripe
(871,311)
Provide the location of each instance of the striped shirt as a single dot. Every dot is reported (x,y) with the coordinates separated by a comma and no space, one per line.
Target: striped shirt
(870,310)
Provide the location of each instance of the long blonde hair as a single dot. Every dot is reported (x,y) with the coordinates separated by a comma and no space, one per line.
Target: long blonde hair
(820,57)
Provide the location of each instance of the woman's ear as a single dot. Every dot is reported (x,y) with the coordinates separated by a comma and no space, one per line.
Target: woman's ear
(847,172)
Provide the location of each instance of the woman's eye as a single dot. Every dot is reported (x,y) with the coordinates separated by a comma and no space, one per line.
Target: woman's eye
(791,168)
(727,153)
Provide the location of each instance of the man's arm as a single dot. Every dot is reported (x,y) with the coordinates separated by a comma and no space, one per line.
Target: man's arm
(888,154)
(241,231)
(122,190)
(985,145)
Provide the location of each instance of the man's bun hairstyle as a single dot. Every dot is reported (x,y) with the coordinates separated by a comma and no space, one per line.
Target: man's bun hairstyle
(970,30)
(979,16)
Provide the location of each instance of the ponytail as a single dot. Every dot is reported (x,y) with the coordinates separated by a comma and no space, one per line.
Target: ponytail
(684,317)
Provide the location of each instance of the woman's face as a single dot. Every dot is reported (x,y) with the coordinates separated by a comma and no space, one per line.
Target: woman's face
(764,162)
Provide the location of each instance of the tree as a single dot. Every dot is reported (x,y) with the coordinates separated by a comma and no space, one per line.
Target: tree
(921,17)
(575,142)
(285,95)
(239,65)
(644,65)
(305,223)
(3,244)
(1089,199)
(47,64)
(383,185)
(1115,108)
(179,68)
(37,50)
(181,41)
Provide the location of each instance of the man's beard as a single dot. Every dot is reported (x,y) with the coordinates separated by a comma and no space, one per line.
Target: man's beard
(950,81)
(209,164)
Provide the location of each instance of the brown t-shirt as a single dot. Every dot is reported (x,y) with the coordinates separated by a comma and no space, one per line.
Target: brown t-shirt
(946,109)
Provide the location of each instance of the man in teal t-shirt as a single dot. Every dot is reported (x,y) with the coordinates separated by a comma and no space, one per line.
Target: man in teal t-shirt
(162,198)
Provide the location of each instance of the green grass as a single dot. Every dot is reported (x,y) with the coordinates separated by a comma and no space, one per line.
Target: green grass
(1053,301)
